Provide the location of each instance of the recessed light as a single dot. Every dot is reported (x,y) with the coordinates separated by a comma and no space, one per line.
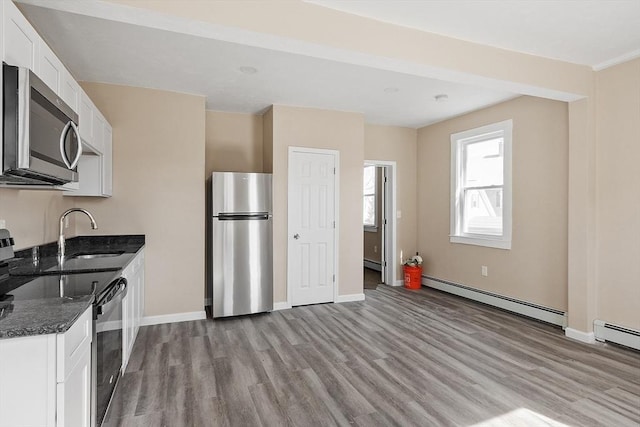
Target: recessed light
(443,97)
(248,70)
(391,89)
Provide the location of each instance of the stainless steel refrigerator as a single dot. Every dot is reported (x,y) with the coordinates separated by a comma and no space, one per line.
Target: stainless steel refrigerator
(242,251)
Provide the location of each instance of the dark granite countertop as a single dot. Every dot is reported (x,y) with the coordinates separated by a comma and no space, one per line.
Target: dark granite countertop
(40,316)
(30,304)
(122,249)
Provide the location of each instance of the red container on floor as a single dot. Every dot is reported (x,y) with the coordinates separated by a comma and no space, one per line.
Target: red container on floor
(412,277)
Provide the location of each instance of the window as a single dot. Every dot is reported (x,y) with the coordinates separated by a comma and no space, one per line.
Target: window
(369,214)
(481,186)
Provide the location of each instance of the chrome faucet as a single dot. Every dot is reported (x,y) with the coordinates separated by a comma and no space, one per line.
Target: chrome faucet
(61,244)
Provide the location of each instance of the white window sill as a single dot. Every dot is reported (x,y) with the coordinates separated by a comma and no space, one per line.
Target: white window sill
(371,228)
(478,241)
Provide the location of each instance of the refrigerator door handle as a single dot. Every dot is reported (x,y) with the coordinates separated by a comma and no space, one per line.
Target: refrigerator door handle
(243,216)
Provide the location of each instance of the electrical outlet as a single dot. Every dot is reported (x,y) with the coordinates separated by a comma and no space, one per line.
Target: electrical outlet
(375,249)
(485,271)
(3,223)
(66,222)
(398,214)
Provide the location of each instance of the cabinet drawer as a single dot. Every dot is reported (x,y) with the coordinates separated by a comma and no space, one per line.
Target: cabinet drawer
(72,344)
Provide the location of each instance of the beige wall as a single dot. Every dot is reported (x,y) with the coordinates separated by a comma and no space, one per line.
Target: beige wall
(618,194)
(373,239)
(233,142)
(158,188)
(306,127)
(32,215)
(400,145)
(535,269)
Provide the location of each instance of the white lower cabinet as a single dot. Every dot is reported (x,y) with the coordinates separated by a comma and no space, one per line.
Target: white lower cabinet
(132,305)
(74,395)
(45,380)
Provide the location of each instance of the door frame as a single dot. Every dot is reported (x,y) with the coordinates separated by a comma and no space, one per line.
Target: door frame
(390,206)
(336,214)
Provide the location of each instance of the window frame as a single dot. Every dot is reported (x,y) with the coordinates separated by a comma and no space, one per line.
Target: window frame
(372,227)
(458,142)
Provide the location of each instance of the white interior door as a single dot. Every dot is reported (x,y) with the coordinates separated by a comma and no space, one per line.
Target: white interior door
(311,226)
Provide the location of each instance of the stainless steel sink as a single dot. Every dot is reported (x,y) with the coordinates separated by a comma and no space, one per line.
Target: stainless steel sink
(93,261)
(93,256)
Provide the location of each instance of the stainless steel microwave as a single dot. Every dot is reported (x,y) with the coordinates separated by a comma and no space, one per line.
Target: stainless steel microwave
(40,140)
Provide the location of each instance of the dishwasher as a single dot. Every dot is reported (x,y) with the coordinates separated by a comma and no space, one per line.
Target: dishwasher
(106,348)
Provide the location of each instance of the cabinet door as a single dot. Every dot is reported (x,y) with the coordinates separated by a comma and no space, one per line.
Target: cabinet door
(50,68)
(28,381)
(131,325)
(128,304)
(125,327)
(107,161)
(140,311)
(70,90)
(99,123)
(74,394)
(21,42)
(86,118)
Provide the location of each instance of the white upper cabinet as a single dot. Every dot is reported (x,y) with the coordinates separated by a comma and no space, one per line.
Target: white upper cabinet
(70,91)
(99,123)
(107,161)
(86,118)
(50,68)
(22,46)
(95,166)
(21,42)
(92,124)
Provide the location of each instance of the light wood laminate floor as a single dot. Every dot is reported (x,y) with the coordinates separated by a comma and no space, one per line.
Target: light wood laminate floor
(407,358)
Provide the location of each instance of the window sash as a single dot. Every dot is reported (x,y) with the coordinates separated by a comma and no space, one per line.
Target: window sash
(370,196)
(493,226)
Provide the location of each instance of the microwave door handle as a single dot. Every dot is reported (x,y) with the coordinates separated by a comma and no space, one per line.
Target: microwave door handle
(63,153)
(79,152)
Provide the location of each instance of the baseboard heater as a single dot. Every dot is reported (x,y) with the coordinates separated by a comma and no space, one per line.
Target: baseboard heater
(534,311)
(604,332)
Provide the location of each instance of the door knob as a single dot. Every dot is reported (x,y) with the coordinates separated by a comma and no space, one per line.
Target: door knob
(296,236)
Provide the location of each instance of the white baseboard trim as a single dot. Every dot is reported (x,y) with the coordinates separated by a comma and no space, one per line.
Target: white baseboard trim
(350,298)
(398,283)
(173,318)
(604,331)
(284,305)
(374,265)
(585,337)
(535,311)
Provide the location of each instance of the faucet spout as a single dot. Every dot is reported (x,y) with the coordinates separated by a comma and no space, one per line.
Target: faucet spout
(61,240)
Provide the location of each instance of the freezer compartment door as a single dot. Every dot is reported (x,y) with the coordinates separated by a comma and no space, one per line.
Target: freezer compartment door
(242,266)
(240,192)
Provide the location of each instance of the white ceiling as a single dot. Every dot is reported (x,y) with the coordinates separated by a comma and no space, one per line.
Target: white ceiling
(589,32)
(101,42)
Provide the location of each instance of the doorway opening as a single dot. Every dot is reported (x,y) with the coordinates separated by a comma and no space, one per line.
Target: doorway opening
(379,222)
